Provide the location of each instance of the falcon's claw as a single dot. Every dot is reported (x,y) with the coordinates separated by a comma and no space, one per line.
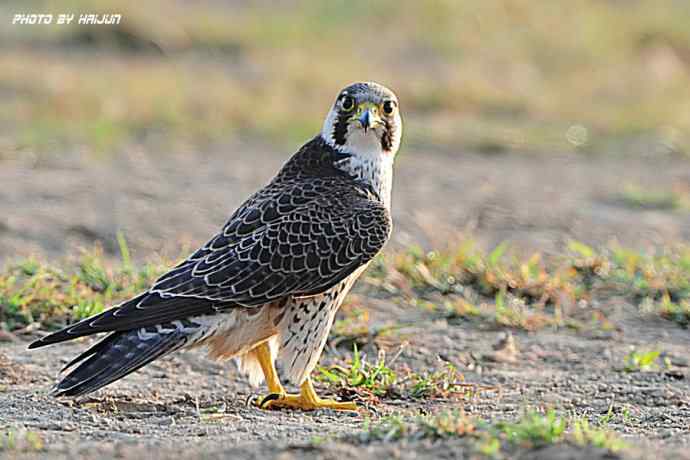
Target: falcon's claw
(261,402)
(287,401)
(306,400)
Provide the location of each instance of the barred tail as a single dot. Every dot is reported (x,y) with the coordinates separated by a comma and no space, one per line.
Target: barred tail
(116,356)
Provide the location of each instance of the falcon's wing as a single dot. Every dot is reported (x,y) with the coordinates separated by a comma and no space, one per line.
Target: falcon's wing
(302,252)
(299,240)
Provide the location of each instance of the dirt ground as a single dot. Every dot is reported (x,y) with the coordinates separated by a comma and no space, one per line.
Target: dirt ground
(50,206)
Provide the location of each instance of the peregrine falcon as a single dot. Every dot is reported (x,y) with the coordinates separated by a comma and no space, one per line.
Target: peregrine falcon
(265,290)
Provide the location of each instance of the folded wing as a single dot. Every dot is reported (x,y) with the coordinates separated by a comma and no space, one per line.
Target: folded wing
(288,240)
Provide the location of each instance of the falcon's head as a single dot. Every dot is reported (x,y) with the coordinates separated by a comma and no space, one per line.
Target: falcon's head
(364,121)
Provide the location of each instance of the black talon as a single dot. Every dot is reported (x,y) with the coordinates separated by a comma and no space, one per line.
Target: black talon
(250,400)
(269,397)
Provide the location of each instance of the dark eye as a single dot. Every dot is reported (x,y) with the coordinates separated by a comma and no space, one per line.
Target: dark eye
(347,103)
(388,107)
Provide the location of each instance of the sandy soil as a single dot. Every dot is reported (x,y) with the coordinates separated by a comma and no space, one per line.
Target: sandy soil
(50,206)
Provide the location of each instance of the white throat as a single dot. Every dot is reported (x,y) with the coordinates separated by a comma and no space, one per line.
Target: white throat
(369,163)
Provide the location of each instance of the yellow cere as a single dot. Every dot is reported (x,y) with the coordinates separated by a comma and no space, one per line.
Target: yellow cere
(374,111)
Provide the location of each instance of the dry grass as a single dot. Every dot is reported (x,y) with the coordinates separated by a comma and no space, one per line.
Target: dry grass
(498,439)
(462,283)
(489,75)
(459,284)
(35,295)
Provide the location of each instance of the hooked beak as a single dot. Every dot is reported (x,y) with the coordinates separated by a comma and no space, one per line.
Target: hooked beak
(365,120)
(368,116)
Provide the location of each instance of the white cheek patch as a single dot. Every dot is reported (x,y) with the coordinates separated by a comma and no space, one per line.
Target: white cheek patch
(328,130)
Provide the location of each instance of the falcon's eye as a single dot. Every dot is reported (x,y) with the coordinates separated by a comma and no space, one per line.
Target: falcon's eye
(388,107)
(347,103)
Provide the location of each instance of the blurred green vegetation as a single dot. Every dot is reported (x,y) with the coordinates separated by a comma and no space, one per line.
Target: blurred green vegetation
(490,75)
(33,292)
(460,283)
(495,438)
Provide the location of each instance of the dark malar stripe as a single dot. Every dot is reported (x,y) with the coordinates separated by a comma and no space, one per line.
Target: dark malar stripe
(340,129)
(387,137)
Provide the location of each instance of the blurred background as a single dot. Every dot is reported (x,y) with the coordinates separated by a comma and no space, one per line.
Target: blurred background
(541,207)
(534,122)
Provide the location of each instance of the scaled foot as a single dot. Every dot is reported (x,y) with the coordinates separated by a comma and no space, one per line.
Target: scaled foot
(306,400)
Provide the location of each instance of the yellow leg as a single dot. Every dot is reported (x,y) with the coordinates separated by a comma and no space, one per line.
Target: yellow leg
(277,399)
(307,399)
(263,354)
